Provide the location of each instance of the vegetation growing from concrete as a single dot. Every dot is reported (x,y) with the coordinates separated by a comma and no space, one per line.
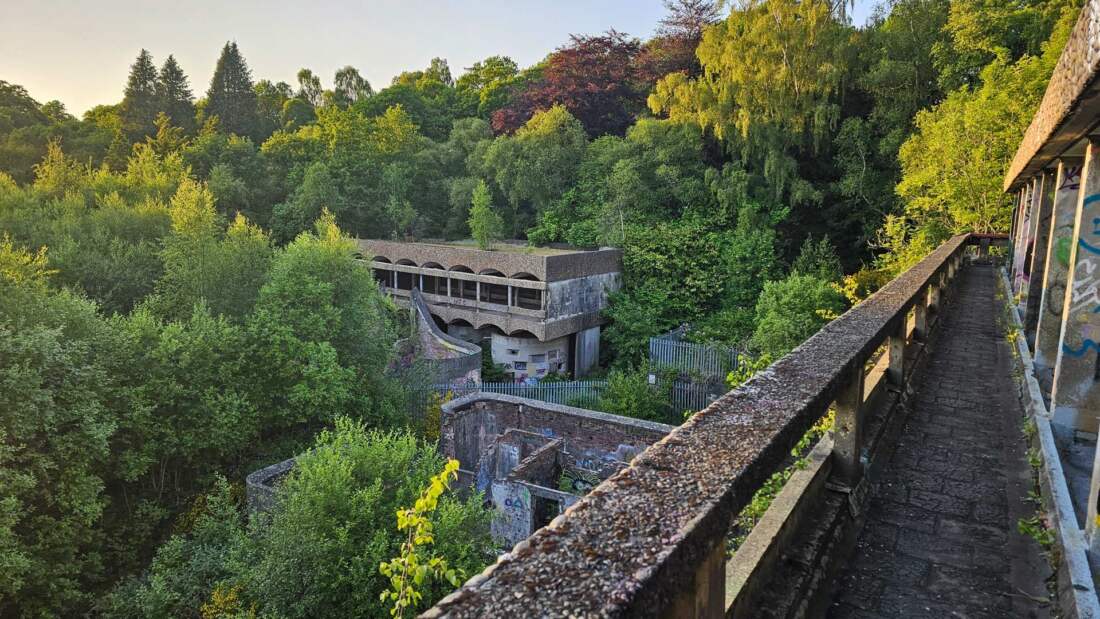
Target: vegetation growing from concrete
(179,298)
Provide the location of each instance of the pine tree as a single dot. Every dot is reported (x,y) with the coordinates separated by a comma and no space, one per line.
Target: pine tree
(139,103)
(174,92)
(231,97)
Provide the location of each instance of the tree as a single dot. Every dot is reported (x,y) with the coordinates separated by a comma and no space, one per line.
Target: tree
(349,86)
(174,93)
(309,87)
(231,96)
(140,102)
(538,164)
(55,392)
(485,224)
(594,78)
(772,73)
(486,85)
(791,310)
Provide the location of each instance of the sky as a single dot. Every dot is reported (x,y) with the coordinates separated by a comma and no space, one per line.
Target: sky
(80,51)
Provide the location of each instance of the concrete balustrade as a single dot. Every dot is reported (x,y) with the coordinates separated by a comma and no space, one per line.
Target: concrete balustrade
(651,540)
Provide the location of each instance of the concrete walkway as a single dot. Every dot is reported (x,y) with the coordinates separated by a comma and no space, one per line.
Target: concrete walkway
(941,535)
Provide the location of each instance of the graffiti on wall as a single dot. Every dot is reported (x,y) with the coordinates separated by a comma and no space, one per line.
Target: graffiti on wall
(1085,295)
(1062,236)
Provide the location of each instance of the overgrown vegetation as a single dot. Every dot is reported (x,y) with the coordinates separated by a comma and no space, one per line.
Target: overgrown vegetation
(179,301)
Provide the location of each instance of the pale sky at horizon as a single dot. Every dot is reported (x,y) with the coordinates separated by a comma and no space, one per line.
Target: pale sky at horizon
(80,52)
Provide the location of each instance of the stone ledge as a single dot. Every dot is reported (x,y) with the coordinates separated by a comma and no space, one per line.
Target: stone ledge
(634,545)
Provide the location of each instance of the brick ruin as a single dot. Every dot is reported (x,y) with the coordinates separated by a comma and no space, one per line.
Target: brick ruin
(534,459)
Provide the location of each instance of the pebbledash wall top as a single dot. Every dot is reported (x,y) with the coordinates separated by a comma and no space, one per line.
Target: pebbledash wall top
(548,264)
(1070,106)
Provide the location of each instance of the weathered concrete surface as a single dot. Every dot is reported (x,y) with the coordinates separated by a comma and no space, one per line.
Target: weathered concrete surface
(1075,395)
(634,545)
(1069,107)
(940,538)
(1056,265)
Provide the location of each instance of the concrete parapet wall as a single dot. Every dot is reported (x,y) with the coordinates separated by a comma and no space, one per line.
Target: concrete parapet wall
(1070,104)
(547,266)
(650,540)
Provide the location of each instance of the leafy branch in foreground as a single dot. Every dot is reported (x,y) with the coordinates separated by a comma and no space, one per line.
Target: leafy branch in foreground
(409,570)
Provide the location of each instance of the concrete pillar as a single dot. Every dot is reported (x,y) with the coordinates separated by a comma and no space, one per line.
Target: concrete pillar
(705,597)
(847,443)
(1075,397)
(1019,251)
(448,286)
(895,348)
(1048,318)
(920,314)
(1039,188)
(394,286)
(420,276)
(1092,516)
(477,291)
(586,351)
(1035,267)
(510,295)
(934,290)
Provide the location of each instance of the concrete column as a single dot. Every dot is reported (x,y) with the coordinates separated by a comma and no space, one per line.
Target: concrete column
(1048,318)
(448,286)
(1039,188)
(1075,397)
(510,295)
(1019,251)
(394,280)
(895,348)
(920,313)
(421,278)
(477,291)
(1034,267)
(847,447)
(1092,516)
(934,293)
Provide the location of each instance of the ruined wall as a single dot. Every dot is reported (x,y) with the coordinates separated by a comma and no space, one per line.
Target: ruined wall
(470,424)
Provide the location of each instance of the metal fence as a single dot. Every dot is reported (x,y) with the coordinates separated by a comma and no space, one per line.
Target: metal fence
(706,360)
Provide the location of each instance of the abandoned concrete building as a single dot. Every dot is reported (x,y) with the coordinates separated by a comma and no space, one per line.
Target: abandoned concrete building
(531,459)
(539,307)
(534,459)
(960,476)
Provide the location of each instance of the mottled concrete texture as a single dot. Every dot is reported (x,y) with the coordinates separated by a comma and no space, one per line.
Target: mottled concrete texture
(643,541)
(940,538)
(1070,105)
(548,267)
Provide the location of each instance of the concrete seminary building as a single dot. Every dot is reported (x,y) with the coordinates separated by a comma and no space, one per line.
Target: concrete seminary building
(540,307)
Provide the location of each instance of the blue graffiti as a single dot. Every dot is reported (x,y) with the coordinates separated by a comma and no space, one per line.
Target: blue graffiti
(1080,352)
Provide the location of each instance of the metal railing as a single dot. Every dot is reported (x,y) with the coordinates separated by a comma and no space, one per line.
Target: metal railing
(670,350)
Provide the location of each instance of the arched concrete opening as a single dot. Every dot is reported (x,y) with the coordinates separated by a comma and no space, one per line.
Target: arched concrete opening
(433,284)
(461,288)
(493,293)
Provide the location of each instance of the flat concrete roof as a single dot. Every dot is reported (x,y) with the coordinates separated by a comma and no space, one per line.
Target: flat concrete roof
(1071,105)
(547,264)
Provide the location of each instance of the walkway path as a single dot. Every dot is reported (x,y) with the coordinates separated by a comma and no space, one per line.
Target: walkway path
(941,536)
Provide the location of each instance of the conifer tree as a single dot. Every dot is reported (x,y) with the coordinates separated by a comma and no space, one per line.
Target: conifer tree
(174,92)
(139,103)
(231,97)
